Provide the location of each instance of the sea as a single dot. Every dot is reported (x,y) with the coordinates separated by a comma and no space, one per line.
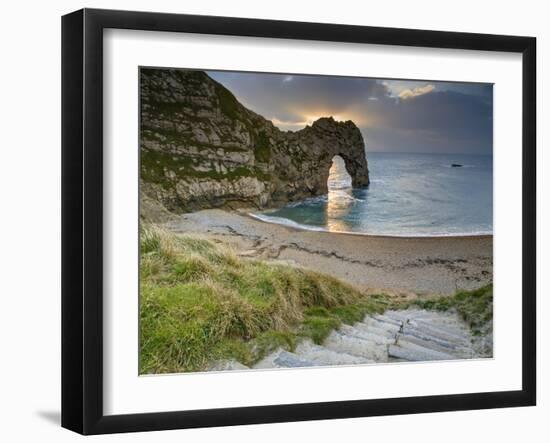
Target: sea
(410,195)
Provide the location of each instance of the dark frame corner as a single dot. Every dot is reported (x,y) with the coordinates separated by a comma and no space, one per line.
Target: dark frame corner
(82,132)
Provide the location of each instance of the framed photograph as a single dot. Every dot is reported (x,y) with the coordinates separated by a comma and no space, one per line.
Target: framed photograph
(269,221)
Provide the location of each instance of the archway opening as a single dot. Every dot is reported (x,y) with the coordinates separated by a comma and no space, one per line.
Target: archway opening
(338,176)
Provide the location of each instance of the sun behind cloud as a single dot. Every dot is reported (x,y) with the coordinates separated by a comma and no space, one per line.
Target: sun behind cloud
(308,119)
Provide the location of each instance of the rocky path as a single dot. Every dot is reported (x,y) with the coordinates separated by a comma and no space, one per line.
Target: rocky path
(408,335)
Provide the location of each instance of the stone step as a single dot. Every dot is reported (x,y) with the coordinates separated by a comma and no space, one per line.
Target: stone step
(282,359)
(395,336)
(414,314)
(388,320)
(422,335)
(449,334)
(455,337)
(365,334)
(373,328)
(432,345)
(441,322)
(389,329)
(407,350)
(322,356)
(434,318)
(356,346)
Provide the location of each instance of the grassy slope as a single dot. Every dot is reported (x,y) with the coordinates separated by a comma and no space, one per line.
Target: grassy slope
(200,303)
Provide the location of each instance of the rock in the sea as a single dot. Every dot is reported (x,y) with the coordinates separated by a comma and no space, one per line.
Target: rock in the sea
(201,148)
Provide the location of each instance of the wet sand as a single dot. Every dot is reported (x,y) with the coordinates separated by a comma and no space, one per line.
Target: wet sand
(396,265)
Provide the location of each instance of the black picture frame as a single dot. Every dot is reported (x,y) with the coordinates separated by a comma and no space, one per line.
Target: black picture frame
(82,218)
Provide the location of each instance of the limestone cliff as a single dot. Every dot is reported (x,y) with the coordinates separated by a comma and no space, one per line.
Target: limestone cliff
(200,148)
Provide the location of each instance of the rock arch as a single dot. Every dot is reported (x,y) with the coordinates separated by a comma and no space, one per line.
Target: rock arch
(357,168)
(316,146)
(201,148)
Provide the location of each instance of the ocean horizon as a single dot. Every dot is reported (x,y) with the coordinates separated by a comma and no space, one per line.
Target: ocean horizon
(410,195)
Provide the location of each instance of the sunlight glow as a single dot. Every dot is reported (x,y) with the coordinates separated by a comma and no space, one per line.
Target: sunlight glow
(339,199)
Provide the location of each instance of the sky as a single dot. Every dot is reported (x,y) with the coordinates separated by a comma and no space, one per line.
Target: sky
(393,115)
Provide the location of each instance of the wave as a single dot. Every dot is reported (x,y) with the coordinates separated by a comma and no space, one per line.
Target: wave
(286,222)
(292,224)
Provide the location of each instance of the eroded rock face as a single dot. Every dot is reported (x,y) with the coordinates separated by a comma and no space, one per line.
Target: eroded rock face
(200,148)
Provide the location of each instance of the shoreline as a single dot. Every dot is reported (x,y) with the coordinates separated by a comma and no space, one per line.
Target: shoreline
(299,227)
(401,266)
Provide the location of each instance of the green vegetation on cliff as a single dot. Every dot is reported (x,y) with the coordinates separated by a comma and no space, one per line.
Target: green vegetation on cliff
(228,103)
(154,164)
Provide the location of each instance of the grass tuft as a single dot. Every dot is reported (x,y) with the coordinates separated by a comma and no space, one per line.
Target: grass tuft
(200,302)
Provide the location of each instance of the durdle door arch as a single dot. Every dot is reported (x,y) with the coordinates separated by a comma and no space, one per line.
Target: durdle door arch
(201,148)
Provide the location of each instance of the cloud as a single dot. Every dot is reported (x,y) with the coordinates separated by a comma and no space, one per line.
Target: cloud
(405,89)
(446,121)
(415,92)
(394,115)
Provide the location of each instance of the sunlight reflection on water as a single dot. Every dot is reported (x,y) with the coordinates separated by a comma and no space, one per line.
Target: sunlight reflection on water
(339,199)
